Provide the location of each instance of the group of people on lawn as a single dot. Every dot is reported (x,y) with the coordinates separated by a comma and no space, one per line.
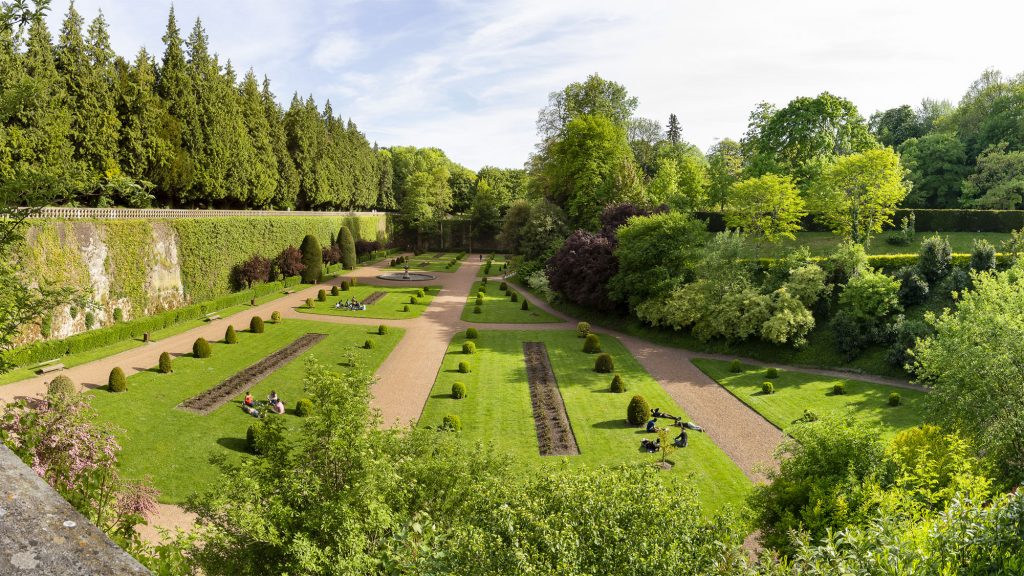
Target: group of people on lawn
(352,304)
(682,440)
(273,404)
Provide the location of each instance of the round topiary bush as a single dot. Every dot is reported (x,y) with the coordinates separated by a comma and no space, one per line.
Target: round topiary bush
(256,325)
(451,422)
(515,297)
(767,387)
(335,290)
(525,306)
(464,367)
(60,386)
(368,344)
(468,348)
(382,330)
(472,334)
(503,286)
(771,373)
(309,302)
(582,329)
(839,388)
(604,364)
(618,386)
(458,390)
(165,363)
(229,335)
(420,293)
(895,399)
(321,296)
(405,308)
(413,300)
(201,348)
(638,411)
(304,407)
(735,367)
(116,382)
(592,344)
(275,317)
(344,286)
(479,301)
(478,310)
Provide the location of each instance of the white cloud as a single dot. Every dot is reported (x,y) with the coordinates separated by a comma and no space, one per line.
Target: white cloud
(333,52)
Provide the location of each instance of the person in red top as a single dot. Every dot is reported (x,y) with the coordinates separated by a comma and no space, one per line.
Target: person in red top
(248,398)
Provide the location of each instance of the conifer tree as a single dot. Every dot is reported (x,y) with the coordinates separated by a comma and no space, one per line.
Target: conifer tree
(673,131)
(287,191)
(264,175)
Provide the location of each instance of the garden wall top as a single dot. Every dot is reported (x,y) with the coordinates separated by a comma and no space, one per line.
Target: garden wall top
(158,213)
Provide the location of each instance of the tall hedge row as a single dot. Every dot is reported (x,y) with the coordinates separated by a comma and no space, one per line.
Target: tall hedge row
(926,220)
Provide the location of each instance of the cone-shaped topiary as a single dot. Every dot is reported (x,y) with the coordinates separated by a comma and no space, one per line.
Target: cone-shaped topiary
(368,344)
(405,308)
(515,297)
(165,363)
(304,407)
(256,325)
(604,364)
(464,367)
(312,258)
(592,344)
(382,330)
(458,390)
(344,286)
(638,411)
(309,302)
(201,348)
(116,382)
(275,317)
(503,286)
(60,386)
(468,348)
(471,333)
(618,386)
(420,293)
(525,306)
(335,290)
(451,422)
(347,244)
(321,296)
(229,335)
(735,367)
(771,373)
(413,300)
(767,387)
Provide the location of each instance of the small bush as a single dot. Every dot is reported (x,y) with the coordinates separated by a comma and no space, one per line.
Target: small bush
(335,290)
(477,310)
(618,386)
(839,388)
(525,306)
(229,335)
(256,325)
(503,286)
(368,344)
(472,334)
(771,373)
(201,348)
(604,364)
(479,301)
(935,258)
(165,363)
(767,387)
(304,407)
(913,286)
(468,348)
(983,256)
(275,317)
(344,285)
(592,345)
(895,399)
(309,302)
(116,382)
(515,297)
(638,411)
(60,386)
(582,329)
(413,300)
(458,390)
(382,330)
(451,422)
(119,314)
(90,320)
(405,308)
(735,367)
(420,293)
(251,436)
(321,296)
(464,367)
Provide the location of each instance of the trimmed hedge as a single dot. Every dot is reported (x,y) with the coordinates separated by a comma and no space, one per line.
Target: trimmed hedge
(604,364)
(458,390)
(275,316)
(472,334)
(592,344)
(61,385)
(767,387)
(256,325)
(165,366)
(464,367)
(638,411)
(116,382)
(229,335)
(618,386)
(925,220)
(304,407)
(451,422)
(382,330)
(201,348)
(468,348)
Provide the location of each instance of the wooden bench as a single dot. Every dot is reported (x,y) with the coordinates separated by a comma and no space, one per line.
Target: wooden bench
(212,316)
(50,368)
(289,291)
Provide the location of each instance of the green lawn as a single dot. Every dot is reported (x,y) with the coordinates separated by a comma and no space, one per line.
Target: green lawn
(172,447)
(496,264)
(797,391)
(390,307)
(822,243)
(498,409)
(500,309)
(429,263)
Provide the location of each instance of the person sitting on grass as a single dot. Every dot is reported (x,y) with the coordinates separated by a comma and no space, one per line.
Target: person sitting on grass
(652,425)
(682,440)
(337,304)
(248,398)
(650,445)
(275,402)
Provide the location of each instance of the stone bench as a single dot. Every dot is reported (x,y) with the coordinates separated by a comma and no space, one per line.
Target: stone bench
(212,316)
(50,368)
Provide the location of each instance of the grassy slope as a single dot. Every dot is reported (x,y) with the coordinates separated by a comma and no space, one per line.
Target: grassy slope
(390,307)
(821,243)
(173,447)
(797,391)
(497,409)
(499,309)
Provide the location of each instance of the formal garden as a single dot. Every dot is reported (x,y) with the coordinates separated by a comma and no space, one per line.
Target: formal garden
(429,262)
(367,301)
(496,302)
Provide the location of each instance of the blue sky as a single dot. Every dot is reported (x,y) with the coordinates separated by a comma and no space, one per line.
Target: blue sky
(469,77)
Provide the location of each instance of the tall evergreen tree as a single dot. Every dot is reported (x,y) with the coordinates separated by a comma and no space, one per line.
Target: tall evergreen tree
(265,177)
(287,191)
(673,130)
(174,88)
(385,181)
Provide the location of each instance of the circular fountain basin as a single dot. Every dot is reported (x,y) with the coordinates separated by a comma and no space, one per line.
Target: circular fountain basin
(407,276)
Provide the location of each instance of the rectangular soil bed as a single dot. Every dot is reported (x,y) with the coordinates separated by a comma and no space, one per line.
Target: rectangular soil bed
(373,298)
(215,397)
(554,432)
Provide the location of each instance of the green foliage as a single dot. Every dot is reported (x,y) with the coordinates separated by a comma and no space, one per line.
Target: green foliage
(382,330)
(478,310)
(201,348)
(479,300)
(464,367)
(983,256)
(618,386)
(420,293)
(256,325)
(768,207)
(767,387)
(771,373)
(638,411)
(526,305)
(413,300)
(468,348)
(304,407)
(895,399)
(839,388)
(321,296)
(405,308)
(735,367)
(312,259)
(935,258)
(229,335)
(348,248)
(60,386)
(118,315)
(309,303)
(90,320)
(275,317)
(344,286)
(514,297)
(592,344)
(937,165)
(604,364)
(451,422)
(997,181)
(582,329)
(117,382)
(471,333)
(334,291)
(458,390)
(654,252)
(368,344)
(866,303)
(165,366)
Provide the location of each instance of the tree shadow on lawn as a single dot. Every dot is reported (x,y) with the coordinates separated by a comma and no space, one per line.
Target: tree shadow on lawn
(235,444)
(617,424)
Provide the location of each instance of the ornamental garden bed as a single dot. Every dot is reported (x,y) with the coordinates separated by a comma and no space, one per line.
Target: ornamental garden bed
(554,432)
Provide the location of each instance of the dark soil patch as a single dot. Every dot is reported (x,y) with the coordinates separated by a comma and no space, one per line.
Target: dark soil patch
(215,397)
(439,255)
(554,432)
(373,298)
